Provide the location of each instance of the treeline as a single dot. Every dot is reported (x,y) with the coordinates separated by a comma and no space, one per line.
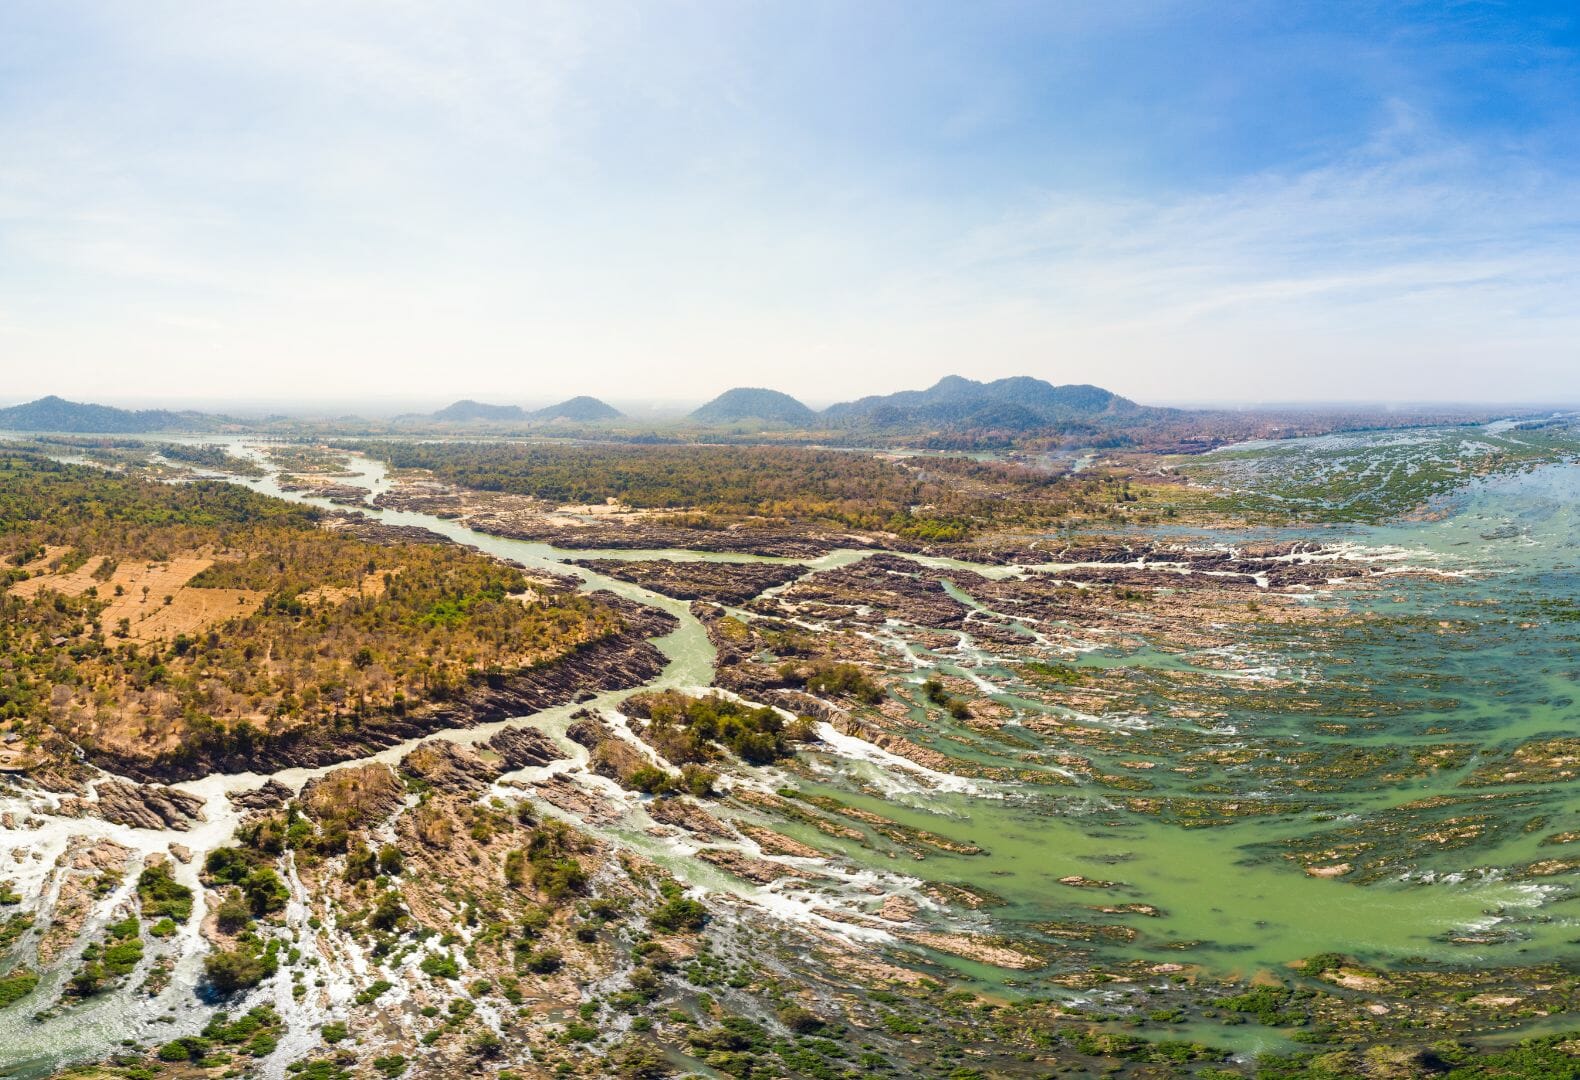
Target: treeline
(925,497)
(209,456)
(51,501)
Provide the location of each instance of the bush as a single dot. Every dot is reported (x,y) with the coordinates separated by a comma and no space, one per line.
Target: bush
(679,913)
(388,913)
(16,986)
(544,961)
(162,896)
(637,1060)
(189,1048)
(361,864)
(228,865)
(690,730)
(374,990)
(698,780)
(549,851)
(799,1020)
(234,913)
(651,780)
(242,968)
(265,892)
(440,966)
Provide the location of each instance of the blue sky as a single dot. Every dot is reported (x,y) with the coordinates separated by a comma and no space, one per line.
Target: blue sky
(518,201)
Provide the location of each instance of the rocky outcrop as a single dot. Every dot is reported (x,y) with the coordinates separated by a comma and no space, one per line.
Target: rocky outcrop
(573,798)
(374,531)
(720,582)
(883,587)
(588,729)
(617,760)
(139,806)
(271,795)
(449,767)
(355,795)
(524,747)
(685,814)
(757,871)
(80,868)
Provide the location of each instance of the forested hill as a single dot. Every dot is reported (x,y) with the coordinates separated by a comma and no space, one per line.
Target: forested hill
(57,414)
(466,410)
(159,626)
(755,403)
(580,409)
(1021,403)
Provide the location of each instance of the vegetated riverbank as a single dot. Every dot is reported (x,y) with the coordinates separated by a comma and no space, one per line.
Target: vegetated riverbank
(169,630)
(1089,737)
(621,661)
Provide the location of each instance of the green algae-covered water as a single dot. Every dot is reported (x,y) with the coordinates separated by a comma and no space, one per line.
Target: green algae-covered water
(1462,863)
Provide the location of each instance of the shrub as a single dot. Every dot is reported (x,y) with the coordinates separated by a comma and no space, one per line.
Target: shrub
(230,970)
(161,895)
(544,961)
(189,1048)
(16,986)
(440,966)
(679,913)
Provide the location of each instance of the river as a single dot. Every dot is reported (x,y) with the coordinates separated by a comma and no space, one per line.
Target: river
(1222,902)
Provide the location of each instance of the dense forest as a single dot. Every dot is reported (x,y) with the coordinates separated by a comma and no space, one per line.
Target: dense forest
(277,622)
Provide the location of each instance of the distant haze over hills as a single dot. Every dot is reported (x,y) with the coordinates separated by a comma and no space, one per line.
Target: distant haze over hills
(57,414)
(467,410)
(954,413)
(1016,404)
(583,409)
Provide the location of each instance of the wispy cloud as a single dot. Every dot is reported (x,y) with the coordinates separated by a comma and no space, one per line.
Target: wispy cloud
(527,200)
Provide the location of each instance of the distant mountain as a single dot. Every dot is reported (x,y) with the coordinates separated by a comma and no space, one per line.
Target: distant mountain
(465,410)
(1020,403)
(754,403)
(57,414)
(582,409)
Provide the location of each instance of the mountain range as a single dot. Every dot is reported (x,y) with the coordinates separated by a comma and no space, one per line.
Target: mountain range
(954,405)
(1016,404)
(1020,403)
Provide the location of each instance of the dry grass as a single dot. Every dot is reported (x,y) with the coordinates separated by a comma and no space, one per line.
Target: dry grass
(370,585)
(153,596)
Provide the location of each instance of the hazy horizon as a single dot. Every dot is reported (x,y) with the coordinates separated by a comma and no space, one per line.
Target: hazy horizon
(659,409)
(520,203)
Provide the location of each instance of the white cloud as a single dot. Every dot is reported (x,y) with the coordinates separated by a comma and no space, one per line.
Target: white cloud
(528,201)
